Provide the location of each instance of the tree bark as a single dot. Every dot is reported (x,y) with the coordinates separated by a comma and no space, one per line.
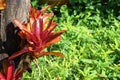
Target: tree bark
(15,9)
(9,39)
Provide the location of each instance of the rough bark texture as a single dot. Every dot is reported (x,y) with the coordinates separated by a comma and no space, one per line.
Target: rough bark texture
(16,9)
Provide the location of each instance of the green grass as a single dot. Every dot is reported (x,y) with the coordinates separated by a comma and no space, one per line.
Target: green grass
(91,49)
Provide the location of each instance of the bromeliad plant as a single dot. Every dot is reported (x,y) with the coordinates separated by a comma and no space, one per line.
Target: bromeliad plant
(36,35)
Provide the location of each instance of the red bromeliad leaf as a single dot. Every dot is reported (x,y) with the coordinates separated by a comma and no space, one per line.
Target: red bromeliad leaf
(49,24)
(37,28)
(46,17)
(54,35)
(24,50)
(52,27)
(52,41)
(31,38)
(45,45)
(2,77)
(19,74)
(4,68)
(18,23)
(48,31)
(36,13)
(49,53)
(36,35)
(45,8)
(10,72)
(38,32)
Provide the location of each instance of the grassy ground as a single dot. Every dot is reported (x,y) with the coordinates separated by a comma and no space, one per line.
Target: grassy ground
(91,47)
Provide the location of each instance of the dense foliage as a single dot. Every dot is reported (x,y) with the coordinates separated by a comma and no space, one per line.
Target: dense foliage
(35,35)
(91,45)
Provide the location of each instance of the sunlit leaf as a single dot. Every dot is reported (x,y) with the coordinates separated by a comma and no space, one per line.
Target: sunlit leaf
(51,53)
(2,4)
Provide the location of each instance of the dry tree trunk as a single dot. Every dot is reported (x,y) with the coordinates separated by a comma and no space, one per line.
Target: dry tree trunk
(15,9)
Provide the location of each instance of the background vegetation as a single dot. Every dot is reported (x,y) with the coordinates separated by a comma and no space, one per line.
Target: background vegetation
(91,45)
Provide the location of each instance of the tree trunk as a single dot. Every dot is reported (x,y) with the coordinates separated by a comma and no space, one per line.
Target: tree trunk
(16,9)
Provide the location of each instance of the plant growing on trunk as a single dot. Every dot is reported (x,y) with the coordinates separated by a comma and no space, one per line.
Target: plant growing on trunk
(36,35)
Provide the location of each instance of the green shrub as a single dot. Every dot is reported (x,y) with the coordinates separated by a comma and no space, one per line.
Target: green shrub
(91,45)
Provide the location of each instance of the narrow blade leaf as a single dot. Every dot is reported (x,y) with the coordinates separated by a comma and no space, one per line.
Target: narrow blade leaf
(51,53)
(10,71)
(2,77)
(24,50)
